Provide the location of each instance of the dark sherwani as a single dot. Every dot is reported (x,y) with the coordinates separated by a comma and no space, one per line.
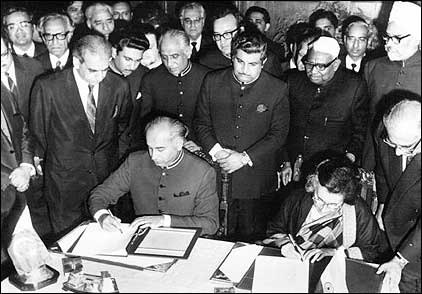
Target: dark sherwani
(296,207)
(214,59)
(333,116)
(165,94)
(75,159)
(252,118)
(401,194)
(187,192)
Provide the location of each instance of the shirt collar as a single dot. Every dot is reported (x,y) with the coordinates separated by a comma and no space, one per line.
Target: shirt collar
(349,62)
(292,63)
(62,59)
(186,70)
(80,82)
(242,83)
(178,159)
(198,42)
(30,52)
(114,68)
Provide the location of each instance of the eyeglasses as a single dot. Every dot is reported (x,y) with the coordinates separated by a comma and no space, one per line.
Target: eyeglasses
(190,21)
(58,36)
(405,149)
(22,25)
(395,39)
(226,35)
(319,66)
(3,55)
(331,206)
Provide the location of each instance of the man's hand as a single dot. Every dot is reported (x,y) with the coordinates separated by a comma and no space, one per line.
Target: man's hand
(351,156)
(289,251)
(20,177)
(110,223)
(37,164)
(191,146)
(231,163)
(286,173)
(392,271)
(223,154)
(318,254)
(152,221)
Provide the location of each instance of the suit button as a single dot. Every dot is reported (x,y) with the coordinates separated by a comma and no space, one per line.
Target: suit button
(240,106)
(238,116)
(160,198)
(12,151)
(90,171)
(180,114)
(398,84)
(237,127)
(181,92)
(163,173)
(305,137)
(160,211)
(162,186)
(236,137)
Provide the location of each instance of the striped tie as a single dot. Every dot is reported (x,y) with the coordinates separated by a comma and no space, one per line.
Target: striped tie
(91,109)
(13,90)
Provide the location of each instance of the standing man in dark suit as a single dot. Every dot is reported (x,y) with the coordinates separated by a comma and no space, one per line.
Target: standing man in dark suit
(192,18)
(398,178)
(77,117)
(173,87)
(56,32)
(242,120)
(225,27)
(19,27)
(16,159)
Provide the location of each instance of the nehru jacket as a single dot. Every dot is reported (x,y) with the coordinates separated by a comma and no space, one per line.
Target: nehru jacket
(186,191)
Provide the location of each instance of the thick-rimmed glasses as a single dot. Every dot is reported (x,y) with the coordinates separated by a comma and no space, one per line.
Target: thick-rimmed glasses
(331,206)
(190,21)
(319,66)
(226,35)
(404,149)
(395,39)
(58,36)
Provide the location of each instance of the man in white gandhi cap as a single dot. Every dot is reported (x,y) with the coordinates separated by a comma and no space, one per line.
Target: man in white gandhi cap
(400,69)
(328,109)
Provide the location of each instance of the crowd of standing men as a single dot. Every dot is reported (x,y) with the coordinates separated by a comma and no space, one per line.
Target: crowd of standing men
(108,106)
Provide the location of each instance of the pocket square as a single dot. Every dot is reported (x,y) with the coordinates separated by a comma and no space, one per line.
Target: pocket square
(261,108)
(182,194)
(138,96)
(116,111)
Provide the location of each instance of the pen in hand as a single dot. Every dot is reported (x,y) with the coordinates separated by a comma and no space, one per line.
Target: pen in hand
(118,227)
(296,246)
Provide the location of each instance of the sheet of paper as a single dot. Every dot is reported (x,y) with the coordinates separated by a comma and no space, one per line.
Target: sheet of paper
(280,275)
(166,241)
(96,241)
(67,241)
(239,261)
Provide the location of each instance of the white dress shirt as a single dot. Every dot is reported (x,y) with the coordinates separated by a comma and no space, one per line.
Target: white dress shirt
(349,63)
(63,59)
(84,90)
(12,74)
(30,51)
(198,42)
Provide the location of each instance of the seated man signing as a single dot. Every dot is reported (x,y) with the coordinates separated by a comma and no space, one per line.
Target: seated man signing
(326,215)
(169,187)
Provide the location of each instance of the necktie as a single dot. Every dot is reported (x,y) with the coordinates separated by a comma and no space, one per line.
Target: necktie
(25,55)
(58,65)
(91,109)
(4,126)
(194,51)
(354,67)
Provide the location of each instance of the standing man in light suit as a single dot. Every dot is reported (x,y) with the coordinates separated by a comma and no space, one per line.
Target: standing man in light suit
(77,117)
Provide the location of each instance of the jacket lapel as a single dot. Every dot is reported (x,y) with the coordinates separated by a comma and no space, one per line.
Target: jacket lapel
(103,104)
(408,178)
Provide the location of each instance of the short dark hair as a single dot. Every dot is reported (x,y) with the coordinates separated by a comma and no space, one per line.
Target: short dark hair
(322,13)
(295,31)
(339,175)
(251,40)
(259,9)
(14,9)
(130,39)
(349,20)
(224,11)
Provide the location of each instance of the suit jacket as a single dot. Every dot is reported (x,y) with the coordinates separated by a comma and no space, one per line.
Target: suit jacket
(252,118)
(187,191)
(401,193)
(333,116)
(40,48)
(13,152)
(26,69)
(207,43)
(75,159)
(44,59)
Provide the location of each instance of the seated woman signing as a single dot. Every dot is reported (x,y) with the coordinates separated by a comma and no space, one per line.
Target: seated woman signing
(326,214)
